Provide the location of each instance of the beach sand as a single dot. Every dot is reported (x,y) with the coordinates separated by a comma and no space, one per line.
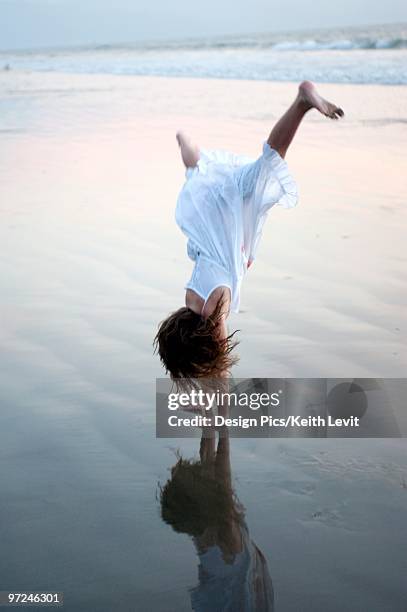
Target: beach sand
(90,173)
(92,260)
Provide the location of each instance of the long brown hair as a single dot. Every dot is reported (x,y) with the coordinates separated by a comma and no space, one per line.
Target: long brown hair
(190,347)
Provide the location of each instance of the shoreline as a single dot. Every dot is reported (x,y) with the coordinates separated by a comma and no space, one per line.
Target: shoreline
(107,75)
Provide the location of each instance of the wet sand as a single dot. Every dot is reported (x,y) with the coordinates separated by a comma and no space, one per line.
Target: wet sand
(92,260)
(90,174)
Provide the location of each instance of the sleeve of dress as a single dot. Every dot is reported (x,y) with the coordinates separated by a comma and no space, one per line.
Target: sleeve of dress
(267,181)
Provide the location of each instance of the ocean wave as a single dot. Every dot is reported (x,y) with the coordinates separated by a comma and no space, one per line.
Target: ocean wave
(269,42)
(261,42)
(347,39)
(340,45)
(342,56)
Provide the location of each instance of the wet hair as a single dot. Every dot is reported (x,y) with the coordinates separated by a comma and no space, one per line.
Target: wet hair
(190,347)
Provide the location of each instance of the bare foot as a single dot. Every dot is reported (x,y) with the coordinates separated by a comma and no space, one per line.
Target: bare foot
(309,95)
(189,152)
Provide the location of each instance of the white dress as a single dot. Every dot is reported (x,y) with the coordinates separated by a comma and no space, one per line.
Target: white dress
(222,208)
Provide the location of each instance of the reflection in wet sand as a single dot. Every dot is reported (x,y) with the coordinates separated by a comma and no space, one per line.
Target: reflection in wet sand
(199,500)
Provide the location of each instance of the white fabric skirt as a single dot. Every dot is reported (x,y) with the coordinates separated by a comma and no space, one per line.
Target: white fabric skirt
(222,208)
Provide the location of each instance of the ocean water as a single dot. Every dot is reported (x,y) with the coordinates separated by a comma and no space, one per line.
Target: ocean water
(352,55)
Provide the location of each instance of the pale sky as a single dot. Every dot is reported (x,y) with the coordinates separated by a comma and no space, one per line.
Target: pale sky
(44,23)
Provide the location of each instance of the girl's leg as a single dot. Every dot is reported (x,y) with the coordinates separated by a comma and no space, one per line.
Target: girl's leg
(307,98)
(189,151)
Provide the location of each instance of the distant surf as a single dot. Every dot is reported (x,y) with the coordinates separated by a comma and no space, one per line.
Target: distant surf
(352,55)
